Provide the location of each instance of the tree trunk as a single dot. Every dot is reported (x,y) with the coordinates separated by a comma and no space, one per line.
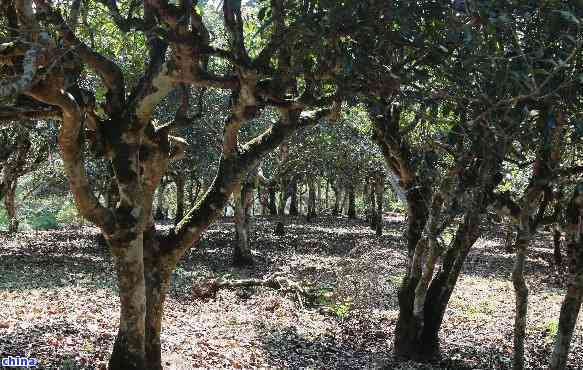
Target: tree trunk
(379,192)
(509,240)
(567,321)
(272,202)
(160,210)
(557,254)
(573,298)
(311,199)
(338,199)
(419,339)
(129,348)
(10,204)
(369,197)
(293,208)
(179,181)
(327,195)
(351,202)
(521,297)
(242,256)
(318,200)
(157,281)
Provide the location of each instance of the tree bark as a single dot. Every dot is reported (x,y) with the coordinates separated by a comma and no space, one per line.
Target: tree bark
(338,200)
(129,350)
(10,204)
(573,298)
(272,202)
(379,192)
(242,256)
(293,208)
(311,199)
(521,299)
(351,213)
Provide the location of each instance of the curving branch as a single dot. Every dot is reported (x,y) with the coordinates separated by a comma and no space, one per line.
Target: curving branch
(109,72)
(231,170)
(127,24)
(72,153)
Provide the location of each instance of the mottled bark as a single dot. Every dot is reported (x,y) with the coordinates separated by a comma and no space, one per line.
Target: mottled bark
(129,348)
(573,298)
(157,278)
(242,255)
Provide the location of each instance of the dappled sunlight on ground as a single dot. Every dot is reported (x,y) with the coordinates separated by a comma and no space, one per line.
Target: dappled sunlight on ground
(60,302)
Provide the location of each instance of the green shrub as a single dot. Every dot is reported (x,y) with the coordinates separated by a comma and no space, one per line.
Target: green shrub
(552,329)
(68,214)
(43,220)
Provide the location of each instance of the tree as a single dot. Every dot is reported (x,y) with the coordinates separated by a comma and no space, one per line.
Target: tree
(120,122)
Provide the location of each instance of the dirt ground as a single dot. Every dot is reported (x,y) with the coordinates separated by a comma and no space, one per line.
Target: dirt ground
(58,301)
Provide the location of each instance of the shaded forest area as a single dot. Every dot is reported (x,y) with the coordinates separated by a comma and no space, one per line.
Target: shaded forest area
(69,314)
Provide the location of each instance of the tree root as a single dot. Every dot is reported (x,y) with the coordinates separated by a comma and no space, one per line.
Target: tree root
(208,288)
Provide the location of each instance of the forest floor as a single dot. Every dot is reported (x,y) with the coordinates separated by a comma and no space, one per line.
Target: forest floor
(58,301)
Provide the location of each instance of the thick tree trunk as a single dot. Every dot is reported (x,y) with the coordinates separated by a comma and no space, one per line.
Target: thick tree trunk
(157,280)
(419,339)
(129,348)
(10,204)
